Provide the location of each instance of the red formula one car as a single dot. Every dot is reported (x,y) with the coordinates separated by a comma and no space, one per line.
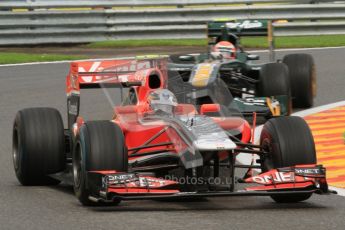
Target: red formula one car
(155,147)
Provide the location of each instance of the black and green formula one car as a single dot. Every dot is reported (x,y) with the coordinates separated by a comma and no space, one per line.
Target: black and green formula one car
(290,81)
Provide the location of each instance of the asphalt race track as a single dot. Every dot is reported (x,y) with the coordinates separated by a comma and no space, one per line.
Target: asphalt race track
(57,208)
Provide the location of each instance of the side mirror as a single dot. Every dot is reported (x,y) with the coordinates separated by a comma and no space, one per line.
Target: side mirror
(209,108)
(253,57)
(186,58)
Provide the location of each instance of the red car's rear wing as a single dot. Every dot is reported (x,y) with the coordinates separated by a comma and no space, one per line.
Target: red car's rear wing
(107,80)
(110,74)
(104,74)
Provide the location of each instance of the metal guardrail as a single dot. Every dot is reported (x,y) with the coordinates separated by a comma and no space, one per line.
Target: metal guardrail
(309,28)
(81,26)
(47,4)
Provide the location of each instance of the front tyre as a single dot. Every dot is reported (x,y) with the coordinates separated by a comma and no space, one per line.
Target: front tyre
(99,146)
(38,142)
(302,78)
(274,81)
(288,142)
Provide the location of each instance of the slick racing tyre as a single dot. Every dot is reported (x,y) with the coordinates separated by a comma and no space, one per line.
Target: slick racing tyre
(100,145)
(38,146)
(274,81)
(302,79)
(288,142)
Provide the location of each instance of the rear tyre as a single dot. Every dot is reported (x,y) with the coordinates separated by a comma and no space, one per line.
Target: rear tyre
(99,146)
(302,79)
(289,142)
(274,81)
(38,146)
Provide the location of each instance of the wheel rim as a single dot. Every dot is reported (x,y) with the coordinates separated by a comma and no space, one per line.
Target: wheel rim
(15,150)
(77,166)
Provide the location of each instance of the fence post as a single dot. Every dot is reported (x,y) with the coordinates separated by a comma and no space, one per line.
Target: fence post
(270,38)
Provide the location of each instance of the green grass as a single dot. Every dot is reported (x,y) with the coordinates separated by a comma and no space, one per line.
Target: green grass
(296,42)
(13,58)
(247,42)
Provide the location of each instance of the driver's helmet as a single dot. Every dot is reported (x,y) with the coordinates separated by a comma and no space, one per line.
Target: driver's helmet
(224,50)
(162,100)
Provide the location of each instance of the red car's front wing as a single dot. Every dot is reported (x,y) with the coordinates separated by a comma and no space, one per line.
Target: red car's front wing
(108,186)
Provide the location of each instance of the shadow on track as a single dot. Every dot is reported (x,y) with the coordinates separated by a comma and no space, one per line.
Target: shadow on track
(215,204)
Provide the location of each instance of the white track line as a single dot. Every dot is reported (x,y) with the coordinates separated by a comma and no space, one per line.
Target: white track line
(64,61)
(100,59)
(300,49)
(318,109)
(340,191)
